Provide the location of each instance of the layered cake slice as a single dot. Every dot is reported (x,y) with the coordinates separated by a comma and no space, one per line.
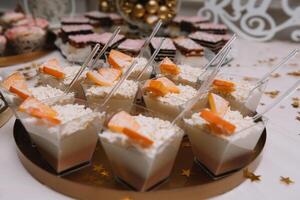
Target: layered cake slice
(98,85)
(189,52)
(211,28)
(187,23)
(222,140)
(67,30)
(131,46)
(180,74)
(64,140)
(165,97)
(168,49)
(75,20)
(141,148)
(98,18)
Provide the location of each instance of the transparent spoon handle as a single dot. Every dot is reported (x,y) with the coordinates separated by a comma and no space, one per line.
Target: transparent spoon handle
(103,50)
(283,61)
(151,59)
(278,100)
(204,87)
(84,65)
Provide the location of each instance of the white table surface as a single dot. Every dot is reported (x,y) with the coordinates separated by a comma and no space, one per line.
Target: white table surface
(282,151)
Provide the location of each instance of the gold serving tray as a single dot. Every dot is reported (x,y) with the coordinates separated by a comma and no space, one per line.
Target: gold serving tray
(88,183)
(22,58)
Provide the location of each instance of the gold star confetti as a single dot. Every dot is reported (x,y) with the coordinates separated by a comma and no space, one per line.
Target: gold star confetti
(186,172)
(296,102)
(248,78)
(104,173)
(250,175)
(286,180)
(98,168)
(127,198)
(295,73)
(272,94)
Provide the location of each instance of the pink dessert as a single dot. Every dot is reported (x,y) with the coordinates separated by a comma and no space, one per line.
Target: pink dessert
(29,21)
(10,17)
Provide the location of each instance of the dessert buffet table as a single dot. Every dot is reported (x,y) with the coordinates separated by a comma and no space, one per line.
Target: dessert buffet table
(281,154)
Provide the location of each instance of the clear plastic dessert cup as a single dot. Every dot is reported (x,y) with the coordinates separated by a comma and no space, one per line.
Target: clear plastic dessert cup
(246,96)
(139,167)
(122,99)
(72,142)
(219,153)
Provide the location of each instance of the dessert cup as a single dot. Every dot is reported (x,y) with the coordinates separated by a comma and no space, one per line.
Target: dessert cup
(139,167)
(246,96)
(219,153)
(122,99)
(68,144)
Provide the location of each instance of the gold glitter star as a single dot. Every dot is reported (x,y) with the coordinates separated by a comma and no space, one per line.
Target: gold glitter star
(250,175)
(127,198)
(286,180)
(104,173)
(186,172)
(98,168)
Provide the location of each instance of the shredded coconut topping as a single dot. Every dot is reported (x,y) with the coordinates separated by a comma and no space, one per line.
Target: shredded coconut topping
(189,73)
(45,92)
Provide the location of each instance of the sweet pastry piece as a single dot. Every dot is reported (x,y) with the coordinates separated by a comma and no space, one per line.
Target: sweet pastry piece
(75,20)
(211,28)
(180,74)
(187,23)
(98,18)
(3,42)
(29,21)
(141,148)
(164,97)
(222,140)
(54,75)
(98,85)
(116,19)
(64,140)
(167,50)
(242,95)
(190,52)
(131,46)
(122,61)
(67,30)
(212,41)
(8,18)
(24,39)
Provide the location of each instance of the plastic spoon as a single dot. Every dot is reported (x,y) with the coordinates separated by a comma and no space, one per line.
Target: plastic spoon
(84,65)
(204,87)
(278,100)
(151,59)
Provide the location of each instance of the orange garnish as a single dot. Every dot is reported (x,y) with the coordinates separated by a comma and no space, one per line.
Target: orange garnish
(16,84)
(118,59)
(217,104)
(156,87)
(224,86)
(98,79)
(169,84)
(217,123)
(52,68)
(137,137)
(36,108)
(121,120)
(168,67)
(110,74)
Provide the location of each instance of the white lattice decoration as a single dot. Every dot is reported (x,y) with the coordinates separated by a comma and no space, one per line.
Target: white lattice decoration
(251,20)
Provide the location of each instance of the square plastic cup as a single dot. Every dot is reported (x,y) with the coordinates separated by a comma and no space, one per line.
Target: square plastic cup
(68,145)
(247,95)
(222,154)
(116,102)
(141,169)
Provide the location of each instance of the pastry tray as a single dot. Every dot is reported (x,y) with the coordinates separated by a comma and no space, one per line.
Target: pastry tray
(88,183)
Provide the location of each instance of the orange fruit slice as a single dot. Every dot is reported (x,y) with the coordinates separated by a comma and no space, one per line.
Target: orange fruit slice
(156,87)
(168,67)
(218,104)
(118,59)
(217,123)
(52,68)
(121,120)
(36,108)
(98,79)
(110,74)
(16,84)
(137,137)
(224,86)
(169,84)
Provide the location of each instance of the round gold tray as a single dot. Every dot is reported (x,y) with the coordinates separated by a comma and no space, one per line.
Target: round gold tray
(89,183)
(17,59)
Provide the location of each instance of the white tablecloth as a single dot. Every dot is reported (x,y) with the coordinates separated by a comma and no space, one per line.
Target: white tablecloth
(282,151)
